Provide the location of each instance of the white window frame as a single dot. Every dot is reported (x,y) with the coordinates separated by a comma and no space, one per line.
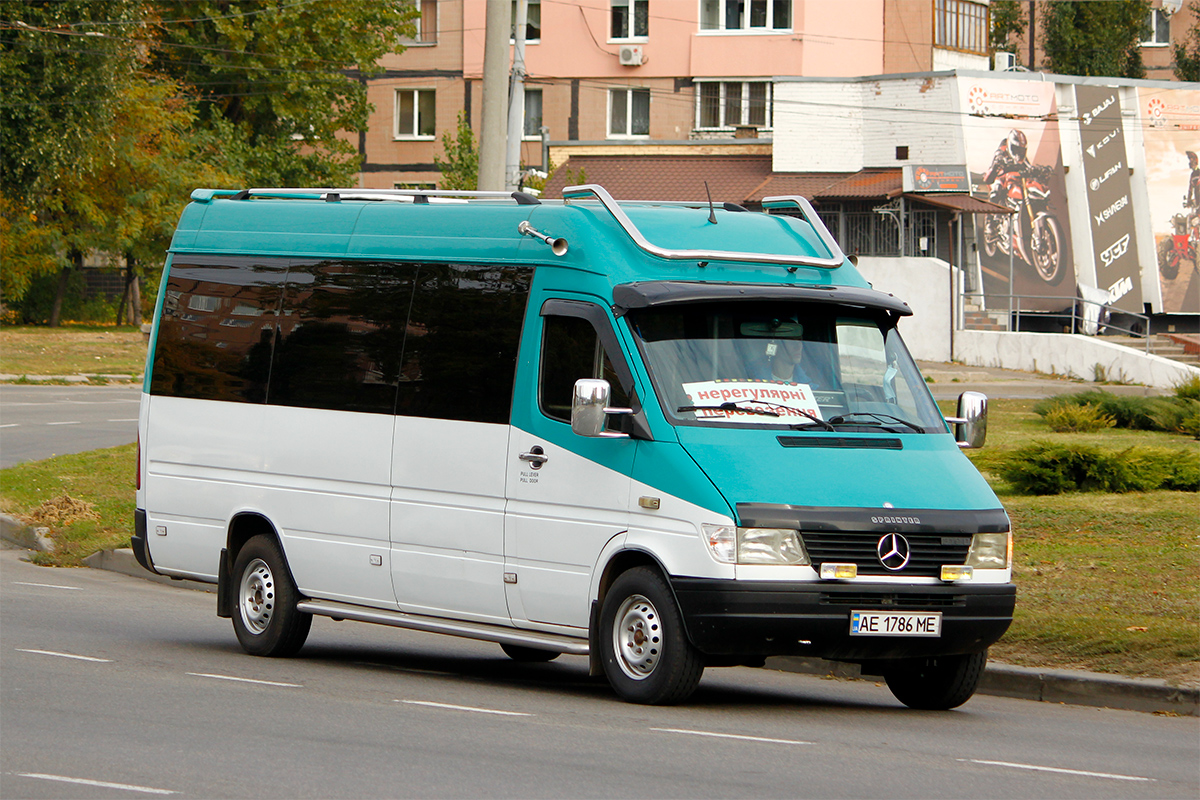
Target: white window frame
(513,24)
(630,36)
(725,125)
(413,134)
(536,136)
(722,18)
(628,91)
(424,36)
(1155,15)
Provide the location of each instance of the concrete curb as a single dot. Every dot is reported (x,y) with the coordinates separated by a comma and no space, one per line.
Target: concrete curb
(86,377)
(1001,680)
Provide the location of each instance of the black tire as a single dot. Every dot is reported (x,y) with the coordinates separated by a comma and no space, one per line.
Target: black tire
(938,683)
(646,654)
(1047,261)
(528,655)
(1168,262)
(265,618)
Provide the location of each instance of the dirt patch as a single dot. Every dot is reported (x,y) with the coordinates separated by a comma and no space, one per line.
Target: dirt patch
(60,511)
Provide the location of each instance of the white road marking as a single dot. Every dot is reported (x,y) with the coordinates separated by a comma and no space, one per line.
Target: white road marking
(134,419)
(49,586)
(65,655)
(244,680)
(102,784)
(10,425)
(65,423)
(729,736)
(465,708)
(1085,773)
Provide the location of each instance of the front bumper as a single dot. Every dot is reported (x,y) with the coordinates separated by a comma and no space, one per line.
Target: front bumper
(726,617)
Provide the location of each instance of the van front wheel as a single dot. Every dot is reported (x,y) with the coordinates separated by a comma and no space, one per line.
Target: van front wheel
(265,618)
(646,654)
(937,683)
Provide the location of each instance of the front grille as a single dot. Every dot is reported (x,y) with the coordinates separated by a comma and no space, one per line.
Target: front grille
(927,551)
(900,601)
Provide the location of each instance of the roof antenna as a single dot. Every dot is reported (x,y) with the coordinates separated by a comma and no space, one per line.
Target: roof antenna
(712,215)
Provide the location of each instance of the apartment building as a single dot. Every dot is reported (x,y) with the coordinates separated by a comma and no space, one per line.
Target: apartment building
(650,77)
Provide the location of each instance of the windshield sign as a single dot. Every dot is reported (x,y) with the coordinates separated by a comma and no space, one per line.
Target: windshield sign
(783,364)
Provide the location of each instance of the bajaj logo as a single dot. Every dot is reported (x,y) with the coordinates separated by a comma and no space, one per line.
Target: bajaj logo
(893,551)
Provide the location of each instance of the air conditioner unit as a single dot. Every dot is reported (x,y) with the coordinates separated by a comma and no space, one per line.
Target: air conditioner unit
(630,55)
(1004,62)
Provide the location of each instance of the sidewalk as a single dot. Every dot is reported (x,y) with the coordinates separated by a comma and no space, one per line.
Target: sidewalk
(1001,680)
(948,381)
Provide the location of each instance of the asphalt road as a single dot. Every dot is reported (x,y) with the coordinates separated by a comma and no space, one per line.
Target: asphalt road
(38,422)
(118,687)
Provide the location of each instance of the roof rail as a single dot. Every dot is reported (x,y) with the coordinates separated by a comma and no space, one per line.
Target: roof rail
(835,259)
(331,195)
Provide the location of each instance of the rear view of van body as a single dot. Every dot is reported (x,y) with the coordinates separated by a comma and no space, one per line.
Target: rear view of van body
(661,436)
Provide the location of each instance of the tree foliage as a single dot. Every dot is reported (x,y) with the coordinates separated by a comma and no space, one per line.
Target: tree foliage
(1099,39)
(1187,53)
(460,165)
(1007,20)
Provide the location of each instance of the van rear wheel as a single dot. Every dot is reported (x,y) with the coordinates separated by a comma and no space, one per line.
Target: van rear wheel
(528,655)
(265,618)
(646,655)
(938,683)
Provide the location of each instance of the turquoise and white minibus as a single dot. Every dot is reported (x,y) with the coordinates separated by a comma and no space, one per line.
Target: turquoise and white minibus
(661,436)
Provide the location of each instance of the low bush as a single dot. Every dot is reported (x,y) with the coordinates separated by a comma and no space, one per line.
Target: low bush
(1177,414)
(1078,419)
(1188,389)
(1054,468)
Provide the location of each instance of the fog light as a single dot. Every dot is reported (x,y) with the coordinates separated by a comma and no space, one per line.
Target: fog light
(833,572)
(951,572)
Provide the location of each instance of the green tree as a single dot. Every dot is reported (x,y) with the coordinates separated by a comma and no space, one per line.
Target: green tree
(1007,20)
(278,81)
(460,166)
(1187,53)
(1100,39)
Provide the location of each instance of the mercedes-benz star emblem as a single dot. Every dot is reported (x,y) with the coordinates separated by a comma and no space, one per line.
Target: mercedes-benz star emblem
(893,551)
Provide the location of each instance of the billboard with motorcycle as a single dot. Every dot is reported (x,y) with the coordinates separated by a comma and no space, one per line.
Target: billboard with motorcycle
(1171,138)
(1014,158)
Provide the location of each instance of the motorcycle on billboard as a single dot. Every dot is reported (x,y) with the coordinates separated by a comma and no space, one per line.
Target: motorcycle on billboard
(1033,233)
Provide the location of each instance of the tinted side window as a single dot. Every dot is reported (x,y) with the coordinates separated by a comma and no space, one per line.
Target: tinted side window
(571,350)
(460,346)
(340,335)
(215,335)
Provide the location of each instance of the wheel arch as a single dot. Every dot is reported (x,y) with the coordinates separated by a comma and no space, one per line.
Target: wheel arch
(243,526)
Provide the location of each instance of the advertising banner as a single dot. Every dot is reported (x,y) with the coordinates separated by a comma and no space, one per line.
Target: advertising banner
(1106,174)
(1172,141)
(1014,158)
(764,401)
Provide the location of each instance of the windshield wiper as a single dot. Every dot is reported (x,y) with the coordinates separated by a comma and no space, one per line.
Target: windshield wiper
(883,418)
(730,407)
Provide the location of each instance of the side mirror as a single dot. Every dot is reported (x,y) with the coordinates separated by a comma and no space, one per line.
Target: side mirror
(970,426)
(589,408)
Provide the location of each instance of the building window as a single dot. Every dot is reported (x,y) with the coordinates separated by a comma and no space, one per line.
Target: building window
(727,104)
(419,186)
(1160,28)
(629,112)
(630,18)
(427,23)
(533,113)
(745,15)
(533,21)
(961,25)
(415,117)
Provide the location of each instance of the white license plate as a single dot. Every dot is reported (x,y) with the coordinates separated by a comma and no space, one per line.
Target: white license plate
(892,623)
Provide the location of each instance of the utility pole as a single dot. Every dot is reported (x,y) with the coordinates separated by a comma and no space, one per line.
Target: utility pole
(516,101)
(495,78)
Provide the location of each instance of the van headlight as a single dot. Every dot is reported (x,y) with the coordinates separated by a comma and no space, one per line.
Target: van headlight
(731,545)
(990,551)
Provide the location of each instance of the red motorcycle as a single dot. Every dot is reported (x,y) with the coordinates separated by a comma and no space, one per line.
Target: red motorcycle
(1033,233)
(1179,245)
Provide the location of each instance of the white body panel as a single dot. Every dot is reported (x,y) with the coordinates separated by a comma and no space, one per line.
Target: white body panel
(447,518)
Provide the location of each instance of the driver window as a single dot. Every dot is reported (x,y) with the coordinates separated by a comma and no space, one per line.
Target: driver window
(571,350)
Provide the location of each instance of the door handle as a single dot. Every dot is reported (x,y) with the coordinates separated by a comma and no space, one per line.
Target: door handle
(536,456)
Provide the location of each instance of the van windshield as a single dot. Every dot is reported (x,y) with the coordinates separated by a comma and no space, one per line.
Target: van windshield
(796,365)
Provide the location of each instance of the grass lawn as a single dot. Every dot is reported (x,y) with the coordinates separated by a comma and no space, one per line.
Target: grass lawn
(1105,582)
(71,350)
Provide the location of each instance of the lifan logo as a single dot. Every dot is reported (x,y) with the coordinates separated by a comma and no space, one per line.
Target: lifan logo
(1098,182)
(1115,250)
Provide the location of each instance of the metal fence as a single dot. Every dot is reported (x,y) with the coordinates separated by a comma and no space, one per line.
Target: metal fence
(1087,316)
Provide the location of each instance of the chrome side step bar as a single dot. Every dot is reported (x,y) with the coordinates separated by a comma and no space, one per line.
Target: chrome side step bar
(469,630)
